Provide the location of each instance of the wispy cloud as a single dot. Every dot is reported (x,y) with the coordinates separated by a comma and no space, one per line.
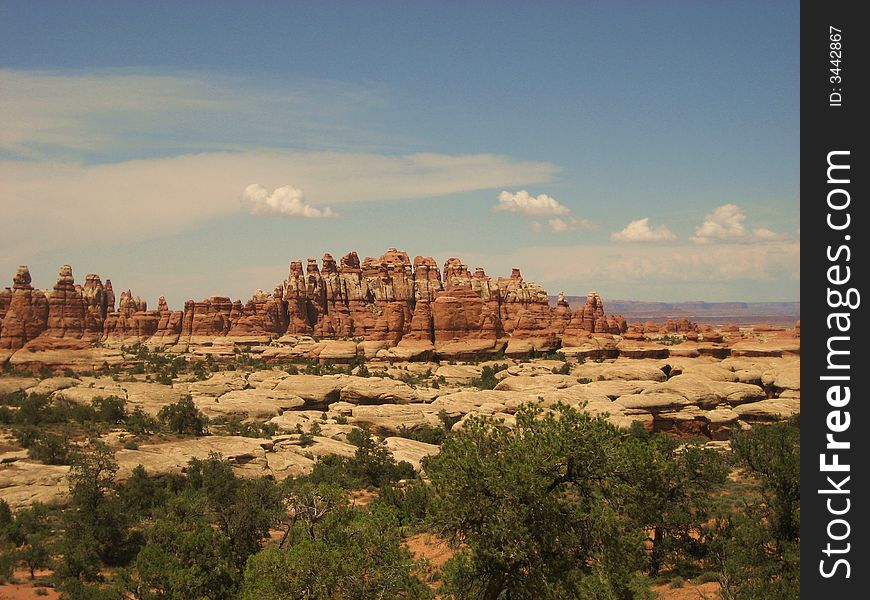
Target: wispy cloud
(561,225)
(134,155)
(126,113)
(47,204)
(640,231)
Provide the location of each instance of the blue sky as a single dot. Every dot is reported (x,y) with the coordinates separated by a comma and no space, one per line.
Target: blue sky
(658,143)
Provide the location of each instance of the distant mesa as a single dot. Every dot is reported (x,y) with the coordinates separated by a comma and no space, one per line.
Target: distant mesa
(783,314)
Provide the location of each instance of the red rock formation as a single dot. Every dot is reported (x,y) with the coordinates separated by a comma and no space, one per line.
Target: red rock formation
(208,318)
(96,307)
(26,315)
(427,279)
(590,318)
(456,274)
(169,325)
(132,320)
(262,315)
(66,307)
(386,299)
(5,300)
(459,313)
(524,307)
(110,296)
(294,295)
(680,326)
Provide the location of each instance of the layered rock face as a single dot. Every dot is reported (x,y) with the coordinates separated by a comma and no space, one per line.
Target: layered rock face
(388,300)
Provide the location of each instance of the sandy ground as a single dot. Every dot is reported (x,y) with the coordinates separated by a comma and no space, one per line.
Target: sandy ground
(25,589)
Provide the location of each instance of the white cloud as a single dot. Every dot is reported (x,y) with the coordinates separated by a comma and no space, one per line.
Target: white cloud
(640,231)
(538,206)
(727,224)
(534,206)
(723,224)
(285,201)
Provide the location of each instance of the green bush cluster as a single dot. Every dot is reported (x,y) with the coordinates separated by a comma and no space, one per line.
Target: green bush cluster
(371,466)
(487,379)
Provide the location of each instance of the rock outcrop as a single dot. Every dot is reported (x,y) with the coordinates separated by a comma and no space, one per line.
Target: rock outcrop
(25,312)
(391,304)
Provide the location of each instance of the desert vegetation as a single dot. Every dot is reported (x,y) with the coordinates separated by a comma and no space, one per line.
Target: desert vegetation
(561,505)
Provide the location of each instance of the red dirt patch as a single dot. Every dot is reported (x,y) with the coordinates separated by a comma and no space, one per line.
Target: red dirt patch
(430,547)
(689,591)
(362,498)
(25,589)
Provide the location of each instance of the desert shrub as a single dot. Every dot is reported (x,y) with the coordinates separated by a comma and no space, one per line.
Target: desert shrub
(96,528)
(411,502)
(110,410)
(165,377)
(50,448)
(423,433)
(447,420)
(667,490)
(8,561)
(371,466)
(235,426)
(487,379)
(185,557)
(563,370)
(356,555)
(243,509)
(183,417)
(140,423)
(707,577)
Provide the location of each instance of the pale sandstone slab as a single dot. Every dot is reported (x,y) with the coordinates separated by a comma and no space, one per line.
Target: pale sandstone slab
(773,409)
(9,385)
(174,456)
(23,482)
(374,390)
(52,384)
(523,383)
(410,451)
(255,403)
